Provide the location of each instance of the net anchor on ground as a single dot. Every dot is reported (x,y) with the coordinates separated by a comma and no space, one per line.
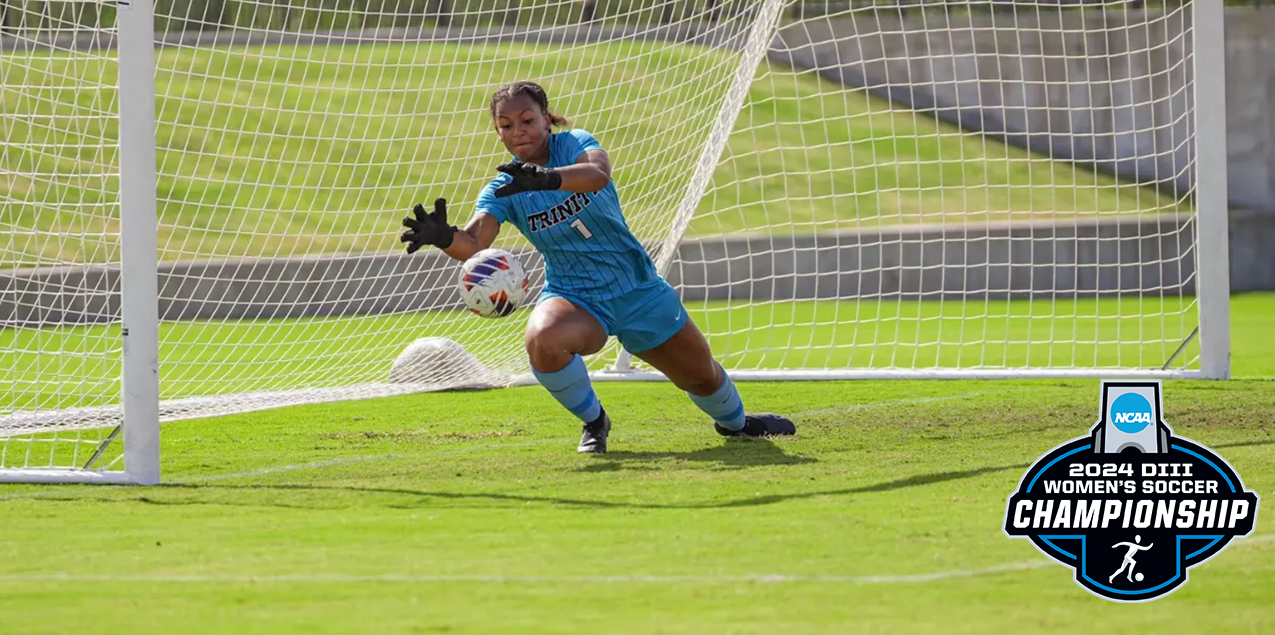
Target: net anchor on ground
(101,447)
(1181,348)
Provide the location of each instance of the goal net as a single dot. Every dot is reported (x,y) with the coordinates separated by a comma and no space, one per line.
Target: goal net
(865,189)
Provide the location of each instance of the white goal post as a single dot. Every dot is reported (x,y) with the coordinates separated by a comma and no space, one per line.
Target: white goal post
(200,199)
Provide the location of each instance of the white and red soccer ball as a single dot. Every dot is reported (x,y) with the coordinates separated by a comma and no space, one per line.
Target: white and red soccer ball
(493,283)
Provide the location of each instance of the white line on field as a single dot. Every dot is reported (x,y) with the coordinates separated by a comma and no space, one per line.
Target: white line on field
(341,578)
(338,578)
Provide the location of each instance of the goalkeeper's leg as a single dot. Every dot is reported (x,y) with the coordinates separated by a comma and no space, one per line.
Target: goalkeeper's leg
(687,361)
(661,334)
(558,333)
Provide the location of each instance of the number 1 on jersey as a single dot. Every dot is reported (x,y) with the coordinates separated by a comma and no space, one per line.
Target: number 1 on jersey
(578,224)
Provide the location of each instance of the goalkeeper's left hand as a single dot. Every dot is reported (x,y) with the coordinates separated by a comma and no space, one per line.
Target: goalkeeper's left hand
(527,177)
(428,229)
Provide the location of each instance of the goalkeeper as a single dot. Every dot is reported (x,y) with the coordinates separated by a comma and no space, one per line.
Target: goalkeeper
(599,280)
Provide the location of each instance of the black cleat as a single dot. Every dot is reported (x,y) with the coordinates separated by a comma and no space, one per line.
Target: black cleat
(594,439)
(762,425)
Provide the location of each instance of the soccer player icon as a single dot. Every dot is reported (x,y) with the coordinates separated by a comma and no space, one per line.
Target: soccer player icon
(1129,562)
(599,279)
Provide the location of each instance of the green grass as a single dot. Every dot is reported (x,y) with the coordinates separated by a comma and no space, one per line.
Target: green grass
(226,357)
(299,150)
(471,513)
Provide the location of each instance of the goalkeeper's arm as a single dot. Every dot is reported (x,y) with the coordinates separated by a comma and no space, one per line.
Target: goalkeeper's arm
(432,229)
(590,173)
(478,235)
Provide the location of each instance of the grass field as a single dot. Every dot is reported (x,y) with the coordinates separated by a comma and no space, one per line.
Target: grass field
(471,513)
(300,150)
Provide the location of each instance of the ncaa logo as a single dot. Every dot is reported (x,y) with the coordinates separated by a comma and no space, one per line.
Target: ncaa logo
(1131,507)
(1131,419)
(1131,413)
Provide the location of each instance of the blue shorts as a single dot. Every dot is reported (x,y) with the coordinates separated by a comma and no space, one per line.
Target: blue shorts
(641,319)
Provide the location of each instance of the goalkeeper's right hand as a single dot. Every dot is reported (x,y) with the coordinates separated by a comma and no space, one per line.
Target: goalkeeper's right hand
(428,229)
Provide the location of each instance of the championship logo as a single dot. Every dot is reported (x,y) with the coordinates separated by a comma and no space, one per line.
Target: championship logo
(1131,507)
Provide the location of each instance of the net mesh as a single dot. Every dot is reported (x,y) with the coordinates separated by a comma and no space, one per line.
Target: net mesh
(896,188)
(938,187)
(59,209)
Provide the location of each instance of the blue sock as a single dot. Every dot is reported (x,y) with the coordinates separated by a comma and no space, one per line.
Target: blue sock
(724,406)
(572,388)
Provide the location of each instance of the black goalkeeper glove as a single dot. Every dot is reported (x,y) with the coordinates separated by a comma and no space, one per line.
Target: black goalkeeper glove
(428,229)
(527,177)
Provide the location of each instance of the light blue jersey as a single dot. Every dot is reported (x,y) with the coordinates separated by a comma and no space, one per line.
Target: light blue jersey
(588,249)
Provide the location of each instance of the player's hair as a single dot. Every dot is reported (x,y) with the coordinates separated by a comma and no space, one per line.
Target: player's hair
(532,90)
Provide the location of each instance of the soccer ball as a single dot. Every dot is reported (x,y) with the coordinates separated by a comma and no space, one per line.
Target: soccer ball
(493,283)
(1138,576)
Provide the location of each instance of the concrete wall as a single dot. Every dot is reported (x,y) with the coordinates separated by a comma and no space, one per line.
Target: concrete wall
(1110,90)
(1100,89)
(1250,138)
(1250,107)
(1129,256)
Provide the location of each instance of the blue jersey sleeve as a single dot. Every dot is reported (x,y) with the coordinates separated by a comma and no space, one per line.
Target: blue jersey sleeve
(497,208)
(584,142)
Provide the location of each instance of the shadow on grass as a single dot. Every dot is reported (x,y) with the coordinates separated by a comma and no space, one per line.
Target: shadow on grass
(1243,444)
(734,454)
(918,480)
